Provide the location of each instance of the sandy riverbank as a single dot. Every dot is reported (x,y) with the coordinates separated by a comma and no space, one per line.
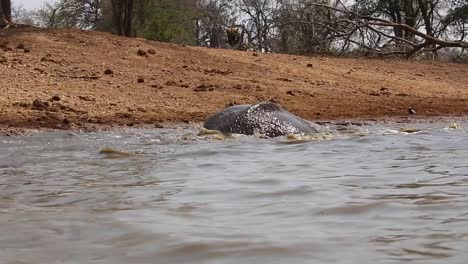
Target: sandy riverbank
(70,79)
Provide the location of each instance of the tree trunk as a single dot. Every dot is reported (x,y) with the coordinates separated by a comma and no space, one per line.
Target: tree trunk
(123,16)
(284,41)
(128,18)
(197,32)
(411,18)
(52,18)
(6,7)
(2,17)
(214,36)
(117,16)
(426,14)
(5,12)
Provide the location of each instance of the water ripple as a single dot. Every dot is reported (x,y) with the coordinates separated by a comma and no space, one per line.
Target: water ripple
(373,195)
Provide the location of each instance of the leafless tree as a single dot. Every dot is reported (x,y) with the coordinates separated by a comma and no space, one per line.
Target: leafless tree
(23,16)
(301,26)
(350,29)
(215,16)
(83,14)
(260,22)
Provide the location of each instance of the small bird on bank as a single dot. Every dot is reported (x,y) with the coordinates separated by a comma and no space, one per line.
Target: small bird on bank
(411,111)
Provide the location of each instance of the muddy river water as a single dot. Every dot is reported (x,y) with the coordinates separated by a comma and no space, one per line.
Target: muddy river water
(376,195)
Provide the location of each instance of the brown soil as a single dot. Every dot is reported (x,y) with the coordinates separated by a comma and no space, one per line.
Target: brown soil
(76,79)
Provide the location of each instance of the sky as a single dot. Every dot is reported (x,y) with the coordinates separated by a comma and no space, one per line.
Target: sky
(29,4)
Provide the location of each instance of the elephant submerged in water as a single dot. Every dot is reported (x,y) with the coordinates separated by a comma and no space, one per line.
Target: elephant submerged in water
(266,119)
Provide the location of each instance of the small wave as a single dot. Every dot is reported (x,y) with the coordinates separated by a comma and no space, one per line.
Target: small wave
(298,191)
(212,134)
(111,153)
(205,250)
(352,209)
(303,138)
(453,126)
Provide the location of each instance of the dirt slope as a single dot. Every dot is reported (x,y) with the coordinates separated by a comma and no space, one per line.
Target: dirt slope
(58,79)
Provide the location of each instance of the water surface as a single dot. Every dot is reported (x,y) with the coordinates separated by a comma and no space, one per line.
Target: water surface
(377,196)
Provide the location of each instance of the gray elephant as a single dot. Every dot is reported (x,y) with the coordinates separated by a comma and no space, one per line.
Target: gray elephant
(266,119)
